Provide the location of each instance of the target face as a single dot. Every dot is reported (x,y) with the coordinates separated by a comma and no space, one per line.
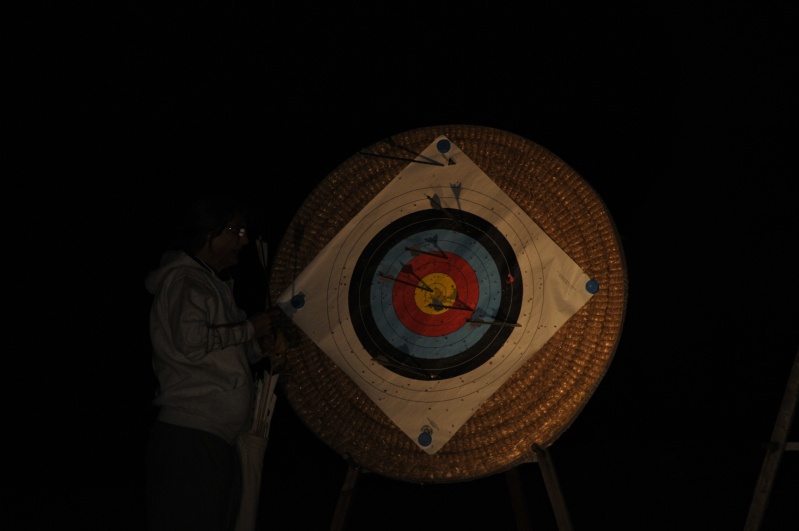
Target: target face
(423,287)
(435,294)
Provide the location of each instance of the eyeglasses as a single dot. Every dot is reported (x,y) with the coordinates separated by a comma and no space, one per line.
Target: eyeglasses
(242,232)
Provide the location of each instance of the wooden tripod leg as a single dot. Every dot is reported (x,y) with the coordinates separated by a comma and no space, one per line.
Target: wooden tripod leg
(515,486)
(777,446)
(343,505)
(553,489)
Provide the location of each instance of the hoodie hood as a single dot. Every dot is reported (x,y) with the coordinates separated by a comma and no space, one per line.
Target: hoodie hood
(169,261)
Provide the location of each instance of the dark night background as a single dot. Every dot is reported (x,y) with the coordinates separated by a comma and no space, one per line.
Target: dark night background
(682,119)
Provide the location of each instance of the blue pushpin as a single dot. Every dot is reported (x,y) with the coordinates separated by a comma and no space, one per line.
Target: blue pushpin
(298,301)
(443,146)
(425,439)
(592,286)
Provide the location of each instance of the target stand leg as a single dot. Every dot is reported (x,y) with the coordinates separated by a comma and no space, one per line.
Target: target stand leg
(553,488)
(542,457)
(345,497)
(775,449)
(515,486)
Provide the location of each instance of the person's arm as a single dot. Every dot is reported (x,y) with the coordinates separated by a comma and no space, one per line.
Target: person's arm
(192,307)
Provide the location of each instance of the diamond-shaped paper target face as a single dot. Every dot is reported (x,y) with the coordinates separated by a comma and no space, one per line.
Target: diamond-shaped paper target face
(435,293)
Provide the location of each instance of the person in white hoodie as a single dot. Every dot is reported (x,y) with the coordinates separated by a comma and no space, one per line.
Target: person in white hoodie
(204,346)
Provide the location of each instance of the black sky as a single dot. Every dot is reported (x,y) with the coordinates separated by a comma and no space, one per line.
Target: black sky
(683,120)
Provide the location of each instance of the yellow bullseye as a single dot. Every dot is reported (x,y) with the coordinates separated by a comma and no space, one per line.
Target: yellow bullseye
(442,293)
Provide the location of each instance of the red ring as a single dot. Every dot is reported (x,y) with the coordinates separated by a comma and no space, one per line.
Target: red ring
(435,324)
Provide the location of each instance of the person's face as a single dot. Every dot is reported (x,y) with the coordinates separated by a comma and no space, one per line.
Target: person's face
(224,248)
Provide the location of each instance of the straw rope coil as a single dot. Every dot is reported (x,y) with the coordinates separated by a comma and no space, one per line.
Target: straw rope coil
(538,402)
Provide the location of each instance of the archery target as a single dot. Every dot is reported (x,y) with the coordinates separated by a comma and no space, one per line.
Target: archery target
(435,293)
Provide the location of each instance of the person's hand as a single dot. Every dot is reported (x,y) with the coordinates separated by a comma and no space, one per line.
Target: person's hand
(273,343)
(271,338)
(262,323)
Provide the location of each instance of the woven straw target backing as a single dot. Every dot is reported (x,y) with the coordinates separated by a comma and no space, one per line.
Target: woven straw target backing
(540,400)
